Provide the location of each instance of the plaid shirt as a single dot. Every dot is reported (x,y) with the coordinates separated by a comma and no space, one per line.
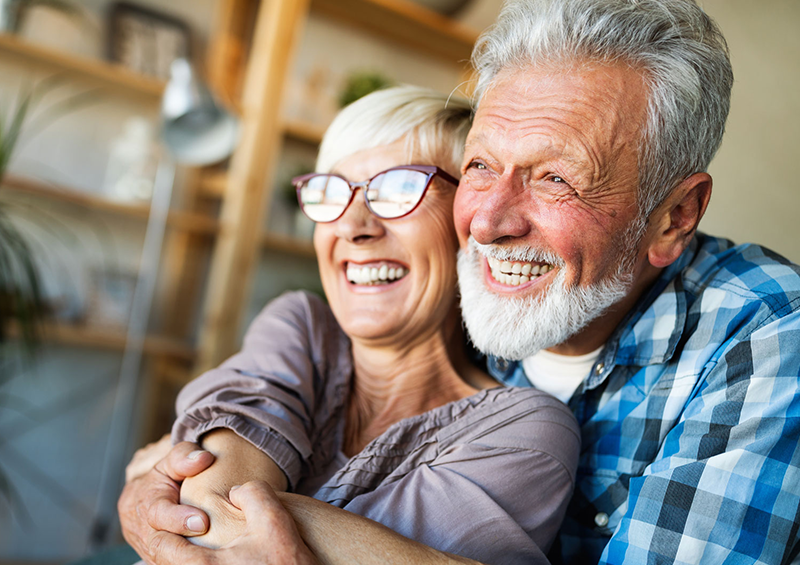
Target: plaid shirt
(690,419)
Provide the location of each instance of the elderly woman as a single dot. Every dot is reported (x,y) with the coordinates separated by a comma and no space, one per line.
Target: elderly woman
(371,403)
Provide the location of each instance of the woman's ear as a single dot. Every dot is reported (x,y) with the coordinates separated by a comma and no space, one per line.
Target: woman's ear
(677,218)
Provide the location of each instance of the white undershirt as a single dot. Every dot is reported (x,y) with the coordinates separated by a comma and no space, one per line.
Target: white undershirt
(559,375)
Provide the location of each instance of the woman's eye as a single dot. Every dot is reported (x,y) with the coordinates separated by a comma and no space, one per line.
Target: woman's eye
(476,165)
(556,178)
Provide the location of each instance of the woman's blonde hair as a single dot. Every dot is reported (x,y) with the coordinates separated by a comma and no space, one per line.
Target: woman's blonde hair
(434,126)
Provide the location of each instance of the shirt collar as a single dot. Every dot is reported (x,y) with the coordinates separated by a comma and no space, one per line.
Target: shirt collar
(652,330)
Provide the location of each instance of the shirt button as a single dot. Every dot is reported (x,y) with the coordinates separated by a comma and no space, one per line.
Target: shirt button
(502,364)
(599,369)
(601,519)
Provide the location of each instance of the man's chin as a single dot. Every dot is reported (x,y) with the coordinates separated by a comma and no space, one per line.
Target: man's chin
(514,327)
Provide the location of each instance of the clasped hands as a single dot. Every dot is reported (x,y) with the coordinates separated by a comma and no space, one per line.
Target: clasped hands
(241,524)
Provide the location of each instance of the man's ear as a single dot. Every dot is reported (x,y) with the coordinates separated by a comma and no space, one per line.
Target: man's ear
(676,220)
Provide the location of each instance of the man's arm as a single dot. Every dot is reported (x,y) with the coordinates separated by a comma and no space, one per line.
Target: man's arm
(339,537)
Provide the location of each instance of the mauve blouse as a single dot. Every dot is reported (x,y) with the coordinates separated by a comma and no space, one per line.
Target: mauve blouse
(487,477)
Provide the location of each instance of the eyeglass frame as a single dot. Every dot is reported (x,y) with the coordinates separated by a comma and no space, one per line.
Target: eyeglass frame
(430,170)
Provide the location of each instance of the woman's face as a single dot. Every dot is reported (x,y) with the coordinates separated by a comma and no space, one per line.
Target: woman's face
(419,249)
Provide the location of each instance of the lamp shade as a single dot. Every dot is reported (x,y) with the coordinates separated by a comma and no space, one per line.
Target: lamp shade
(195,129)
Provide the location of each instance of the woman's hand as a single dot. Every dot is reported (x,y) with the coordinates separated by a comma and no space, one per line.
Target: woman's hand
(146,458)
(209,492)
(237,462)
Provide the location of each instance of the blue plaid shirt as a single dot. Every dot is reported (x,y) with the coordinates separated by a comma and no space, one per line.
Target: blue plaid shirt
(690,419)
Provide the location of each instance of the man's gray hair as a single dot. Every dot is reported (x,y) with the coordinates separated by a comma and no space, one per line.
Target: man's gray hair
(680,49)
(433,125)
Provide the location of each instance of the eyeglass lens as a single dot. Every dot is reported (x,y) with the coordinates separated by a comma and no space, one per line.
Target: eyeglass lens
(390,194)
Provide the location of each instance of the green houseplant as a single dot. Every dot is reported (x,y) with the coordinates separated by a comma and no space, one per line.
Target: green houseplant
(21,303)
(20,288)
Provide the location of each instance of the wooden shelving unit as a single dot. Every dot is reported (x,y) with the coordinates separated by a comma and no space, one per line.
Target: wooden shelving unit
(113,339)
(186,221)
(102,73)
(287,244)
(304,131)
(407,23)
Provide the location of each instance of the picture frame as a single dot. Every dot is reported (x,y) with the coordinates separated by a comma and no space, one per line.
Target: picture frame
(146,41)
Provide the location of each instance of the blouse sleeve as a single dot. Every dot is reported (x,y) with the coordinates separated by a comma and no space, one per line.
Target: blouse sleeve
(294,362)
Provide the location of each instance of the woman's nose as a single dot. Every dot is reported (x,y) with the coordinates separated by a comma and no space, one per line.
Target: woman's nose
(358,224)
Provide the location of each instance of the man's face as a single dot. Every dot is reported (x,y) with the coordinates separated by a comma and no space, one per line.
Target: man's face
(548,186)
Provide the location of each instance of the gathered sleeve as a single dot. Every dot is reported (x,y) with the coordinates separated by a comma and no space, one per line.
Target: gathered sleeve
(281,390)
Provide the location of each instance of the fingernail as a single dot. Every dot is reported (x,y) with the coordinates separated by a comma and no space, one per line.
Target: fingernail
(195,524)
(195,454)
(235,487)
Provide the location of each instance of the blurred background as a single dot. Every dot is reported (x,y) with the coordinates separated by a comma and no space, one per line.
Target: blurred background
(140,270)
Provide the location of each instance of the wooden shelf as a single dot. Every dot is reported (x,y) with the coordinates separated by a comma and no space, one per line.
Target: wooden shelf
(110,339)
(213,185)
(304,131)
(406,23)
(287,244)
(101,72)
(185,221)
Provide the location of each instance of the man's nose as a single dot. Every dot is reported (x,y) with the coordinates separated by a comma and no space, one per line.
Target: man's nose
(501,212)
(358,224)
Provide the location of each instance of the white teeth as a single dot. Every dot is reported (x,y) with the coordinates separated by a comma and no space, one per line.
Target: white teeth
(515,273)
(374,275)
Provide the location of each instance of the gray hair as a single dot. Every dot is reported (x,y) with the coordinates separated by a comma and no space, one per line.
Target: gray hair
(679,48)
(439,126)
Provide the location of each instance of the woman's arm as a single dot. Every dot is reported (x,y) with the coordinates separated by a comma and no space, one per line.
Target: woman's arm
(273,392)
(237,462)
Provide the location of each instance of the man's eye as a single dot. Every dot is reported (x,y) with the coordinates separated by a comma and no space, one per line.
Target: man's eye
(556,178)
(476,165)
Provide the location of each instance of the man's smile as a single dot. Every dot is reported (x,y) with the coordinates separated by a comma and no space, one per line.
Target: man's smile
(515,273)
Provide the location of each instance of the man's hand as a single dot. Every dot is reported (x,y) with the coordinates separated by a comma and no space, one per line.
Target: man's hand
(236,462)
(150,503)
(270,536)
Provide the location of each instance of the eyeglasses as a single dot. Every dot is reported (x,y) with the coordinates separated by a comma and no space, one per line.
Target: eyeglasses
(390,194)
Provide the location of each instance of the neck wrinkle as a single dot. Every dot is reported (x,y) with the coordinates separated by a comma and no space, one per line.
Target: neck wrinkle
(391,384)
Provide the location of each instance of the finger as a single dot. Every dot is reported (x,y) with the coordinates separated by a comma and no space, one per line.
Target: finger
(261,507)
(166,514)
(145,458)
(184,460)
(168,549)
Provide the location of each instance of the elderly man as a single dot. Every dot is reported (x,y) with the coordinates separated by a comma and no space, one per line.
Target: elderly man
(583,184)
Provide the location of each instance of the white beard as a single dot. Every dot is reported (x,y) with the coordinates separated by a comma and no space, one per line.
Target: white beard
(514,328)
